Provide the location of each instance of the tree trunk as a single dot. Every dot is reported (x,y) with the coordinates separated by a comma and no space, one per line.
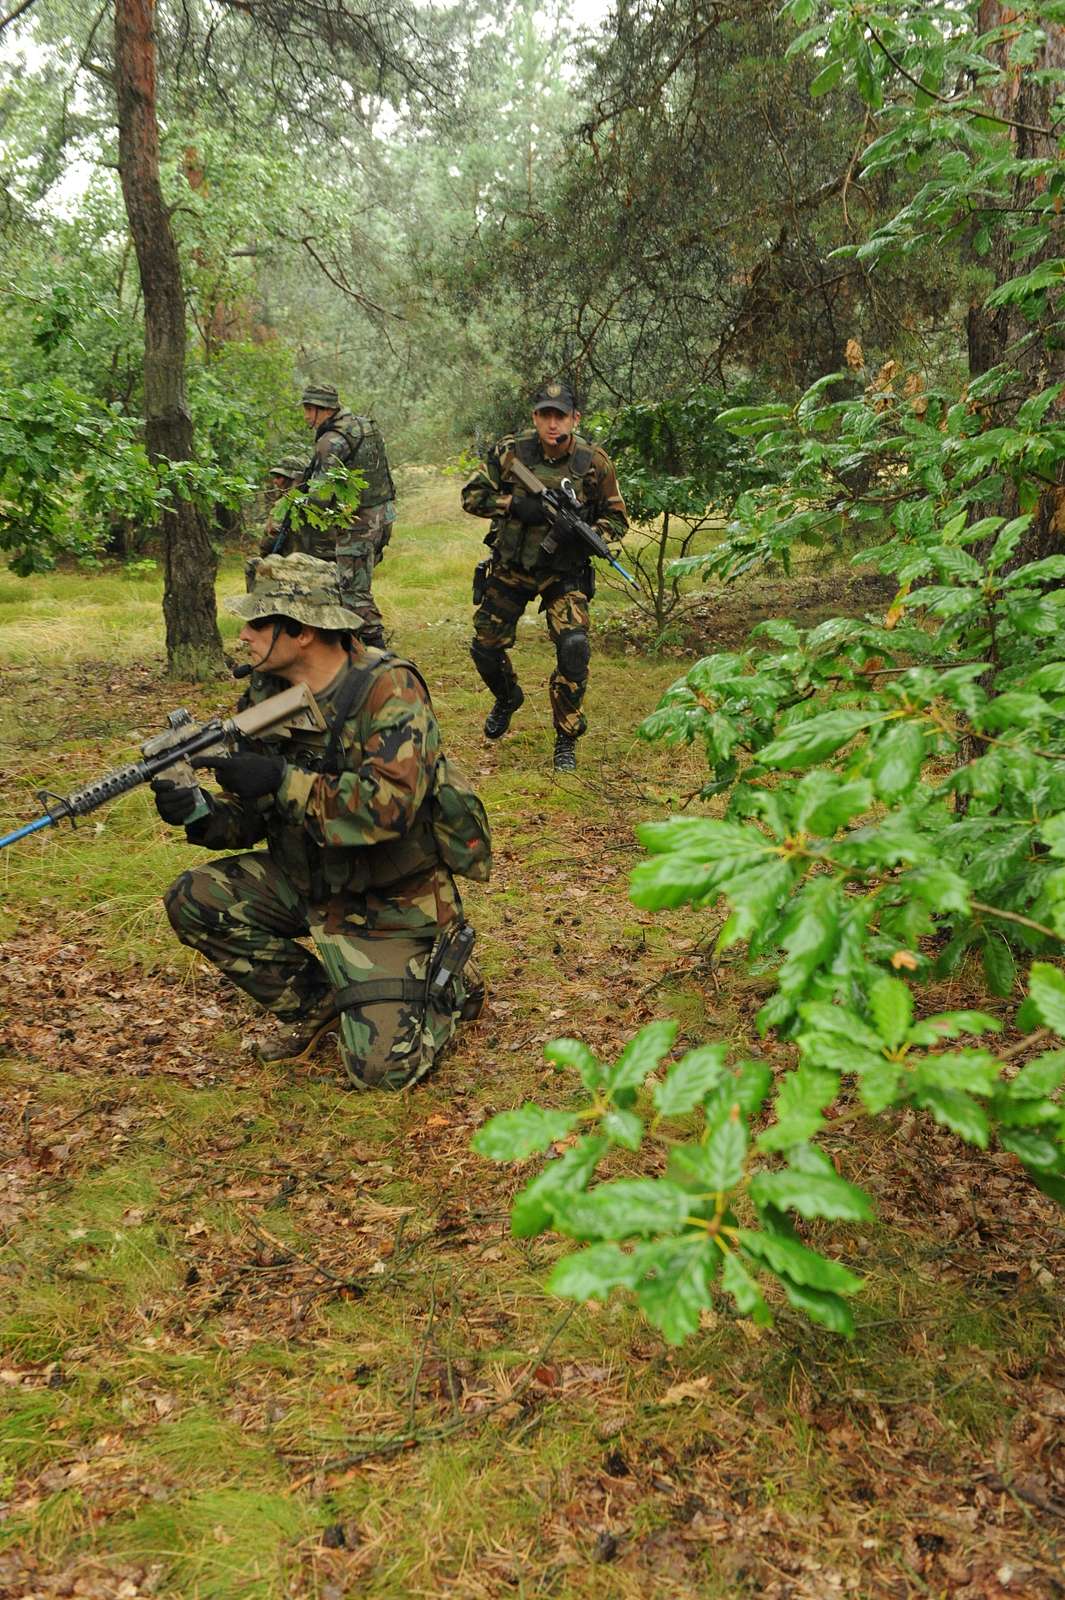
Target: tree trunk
(193,644)
(1005,335)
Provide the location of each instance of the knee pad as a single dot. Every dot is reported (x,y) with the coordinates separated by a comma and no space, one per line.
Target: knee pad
(490,661)
(485,655)
(574,654)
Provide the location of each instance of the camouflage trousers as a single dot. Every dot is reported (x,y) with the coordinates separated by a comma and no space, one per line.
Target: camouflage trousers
(564,601)
(243,914)
(358,550)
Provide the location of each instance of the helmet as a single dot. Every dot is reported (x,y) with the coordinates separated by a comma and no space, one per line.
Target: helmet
(321,394)
(289,467)
(300,587)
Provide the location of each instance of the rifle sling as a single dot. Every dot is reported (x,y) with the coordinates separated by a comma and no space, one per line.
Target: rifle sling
(353,692)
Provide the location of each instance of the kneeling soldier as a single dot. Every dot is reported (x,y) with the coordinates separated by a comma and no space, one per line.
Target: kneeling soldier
(352,854)
(522,569)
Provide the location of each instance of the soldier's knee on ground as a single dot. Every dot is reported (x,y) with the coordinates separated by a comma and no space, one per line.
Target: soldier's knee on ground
(574,653)
(393,1044)
(386,1046)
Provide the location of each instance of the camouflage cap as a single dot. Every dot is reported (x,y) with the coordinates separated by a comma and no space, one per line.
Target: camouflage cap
(554,396)
(289,467)
(321,394)
(296,586)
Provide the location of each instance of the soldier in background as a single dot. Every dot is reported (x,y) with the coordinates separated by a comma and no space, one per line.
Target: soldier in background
(279,536)
(358,538)
(520,569)
(350,856)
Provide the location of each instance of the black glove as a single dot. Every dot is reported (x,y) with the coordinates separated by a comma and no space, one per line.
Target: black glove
(528,508)
(248,776)
(175,802)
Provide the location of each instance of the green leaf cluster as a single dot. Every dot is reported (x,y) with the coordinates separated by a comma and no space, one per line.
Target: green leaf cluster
(720,1220)
(890,790)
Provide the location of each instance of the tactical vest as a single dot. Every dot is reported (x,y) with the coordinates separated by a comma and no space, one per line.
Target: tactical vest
(322,871)
(517,544)
(367,455)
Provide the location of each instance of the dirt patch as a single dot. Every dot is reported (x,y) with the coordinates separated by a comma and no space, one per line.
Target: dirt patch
(723,618)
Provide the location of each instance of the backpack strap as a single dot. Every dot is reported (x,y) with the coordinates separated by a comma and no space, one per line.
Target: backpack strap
(353,693)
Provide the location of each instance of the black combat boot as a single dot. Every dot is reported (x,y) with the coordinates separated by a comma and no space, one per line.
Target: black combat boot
(565,753)
(498,719)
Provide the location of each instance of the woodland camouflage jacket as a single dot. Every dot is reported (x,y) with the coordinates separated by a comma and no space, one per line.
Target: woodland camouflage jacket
(363,837)
(517,544)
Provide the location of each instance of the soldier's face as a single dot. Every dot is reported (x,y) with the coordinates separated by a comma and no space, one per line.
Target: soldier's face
(279,483)
(258,639)
(554,427)
(313,415)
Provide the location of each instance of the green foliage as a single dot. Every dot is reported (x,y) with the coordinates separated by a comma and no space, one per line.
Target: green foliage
(678,467)
(894,788)
(723,1214)
(714,1223)
(68,466)
(244,405)
(674,457)
(72,468)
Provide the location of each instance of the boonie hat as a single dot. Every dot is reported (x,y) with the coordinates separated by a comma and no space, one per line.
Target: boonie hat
(554,396)
(321,394)
(300,587)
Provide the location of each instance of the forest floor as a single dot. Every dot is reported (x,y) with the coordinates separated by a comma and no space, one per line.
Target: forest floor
(261,1337)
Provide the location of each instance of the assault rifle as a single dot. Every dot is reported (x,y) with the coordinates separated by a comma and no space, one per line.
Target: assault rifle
(183,744)
(282,532)
(564,513)
(285,524)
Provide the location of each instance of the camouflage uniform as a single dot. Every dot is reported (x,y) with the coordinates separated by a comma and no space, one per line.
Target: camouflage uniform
(350,860)
(293,469)
(520,570)
(356,540)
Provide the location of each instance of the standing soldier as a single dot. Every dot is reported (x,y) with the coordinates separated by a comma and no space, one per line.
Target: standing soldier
(279,537)
(520,568)
(358,537)
(353,855)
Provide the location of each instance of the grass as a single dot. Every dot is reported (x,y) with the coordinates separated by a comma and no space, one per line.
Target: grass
(221,1286)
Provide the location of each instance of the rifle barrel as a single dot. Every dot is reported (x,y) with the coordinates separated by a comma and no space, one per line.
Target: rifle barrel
(27,827)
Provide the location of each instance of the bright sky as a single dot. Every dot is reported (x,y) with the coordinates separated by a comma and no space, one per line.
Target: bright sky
(17,45)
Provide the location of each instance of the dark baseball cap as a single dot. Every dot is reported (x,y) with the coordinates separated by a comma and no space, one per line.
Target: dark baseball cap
(554,396)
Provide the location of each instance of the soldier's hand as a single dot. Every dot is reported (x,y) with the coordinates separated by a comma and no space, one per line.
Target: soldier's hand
(527,508)
(250,777)
(175,802)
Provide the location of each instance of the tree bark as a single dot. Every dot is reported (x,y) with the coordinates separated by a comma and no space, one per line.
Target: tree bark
(1005,336)
(193,644)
